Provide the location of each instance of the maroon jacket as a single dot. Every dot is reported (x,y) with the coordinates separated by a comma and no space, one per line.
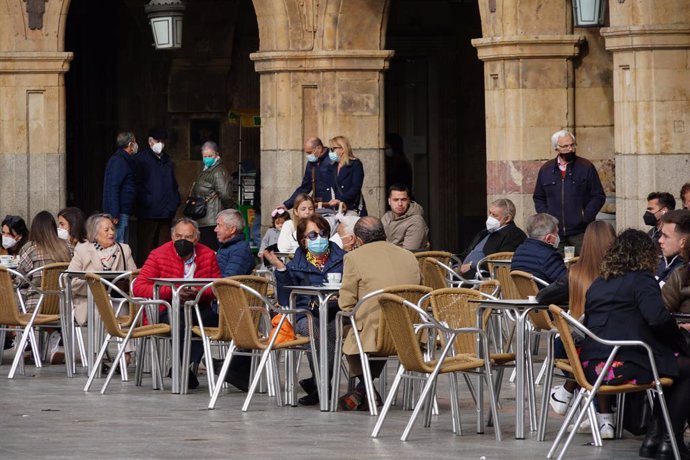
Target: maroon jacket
(163,262)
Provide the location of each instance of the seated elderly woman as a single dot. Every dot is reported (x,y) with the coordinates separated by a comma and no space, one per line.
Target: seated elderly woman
(315,258)
(99,253)
(625,303)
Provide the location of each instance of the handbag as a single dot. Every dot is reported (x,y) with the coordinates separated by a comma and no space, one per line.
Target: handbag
(286,332)
(195,206)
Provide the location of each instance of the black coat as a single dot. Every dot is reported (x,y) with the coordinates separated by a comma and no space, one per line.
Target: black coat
(119,185)
(506,239)
(323,171)
(630,307)
(157,192)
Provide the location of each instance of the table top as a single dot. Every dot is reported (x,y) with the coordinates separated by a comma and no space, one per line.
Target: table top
(515,302)
(323,288)
(199,281)
(11,265)
(102,274)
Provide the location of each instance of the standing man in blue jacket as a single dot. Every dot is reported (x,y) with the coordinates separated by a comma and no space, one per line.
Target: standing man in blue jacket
(319,175)
(157,194)
(119,184)
(568,188)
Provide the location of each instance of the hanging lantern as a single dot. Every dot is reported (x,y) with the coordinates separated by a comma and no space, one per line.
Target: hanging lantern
(165,17)
(589,13)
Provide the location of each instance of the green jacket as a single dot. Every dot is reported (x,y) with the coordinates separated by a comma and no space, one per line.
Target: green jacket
(214,179)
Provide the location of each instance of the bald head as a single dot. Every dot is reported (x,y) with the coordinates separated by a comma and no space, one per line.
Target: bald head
(369,229)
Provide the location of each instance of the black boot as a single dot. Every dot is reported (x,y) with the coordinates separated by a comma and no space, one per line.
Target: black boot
(665,451)
(652,438)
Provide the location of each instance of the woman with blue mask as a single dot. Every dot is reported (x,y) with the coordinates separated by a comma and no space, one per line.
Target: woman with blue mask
(315,258)
(349,177)
(215,186)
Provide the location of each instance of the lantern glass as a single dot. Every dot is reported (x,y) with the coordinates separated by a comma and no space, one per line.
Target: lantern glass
(589,13)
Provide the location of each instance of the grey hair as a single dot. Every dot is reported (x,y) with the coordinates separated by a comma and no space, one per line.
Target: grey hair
(507,206)
(232,217)
(185,220)
(540,225)
(124,138)
(210,145)
(370,229)
(93,224)
(558,134)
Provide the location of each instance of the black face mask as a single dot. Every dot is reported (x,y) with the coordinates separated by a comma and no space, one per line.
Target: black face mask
(649,218)
(567,157)
(184,248)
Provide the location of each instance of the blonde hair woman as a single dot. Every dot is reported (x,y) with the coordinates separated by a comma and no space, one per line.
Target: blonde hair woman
(349,177)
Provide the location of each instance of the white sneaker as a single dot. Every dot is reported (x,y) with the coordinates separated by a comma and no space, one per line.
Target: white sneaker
(560,400)
(57,353)
(607,426)
(584,428)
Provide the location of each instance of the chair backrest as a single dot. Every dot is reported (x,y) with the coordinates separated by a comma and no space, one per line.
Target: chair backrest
(260,284)
(442,256)
(234,312)
(9,311)
(569,345)
(104,305)
(490,287)
(508,288)
(409,292)
(401,328)
(484,266)
(50,285)
(452,307)
(433,275)
(526,286)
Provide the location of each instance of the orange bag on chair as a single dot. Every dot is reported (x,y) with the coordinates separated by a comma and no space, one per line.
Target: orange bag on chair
(286,332)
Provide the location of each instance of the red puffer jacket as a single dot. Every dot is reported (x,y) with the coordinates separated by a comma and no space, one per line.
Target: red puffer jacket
(163,262)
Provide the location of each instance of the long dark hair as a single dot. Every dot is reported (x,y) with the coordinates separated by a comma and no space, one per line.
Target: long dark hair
(17,226)
(77,224)
(44,235)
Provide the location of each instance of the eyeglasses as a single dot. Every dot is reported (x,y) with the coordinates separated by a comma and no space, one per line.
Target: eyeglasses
(566,146)
(312,235)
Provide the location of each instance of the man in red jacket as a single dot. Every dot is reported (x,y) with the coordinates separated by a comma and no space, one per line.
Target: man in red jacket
(183,257)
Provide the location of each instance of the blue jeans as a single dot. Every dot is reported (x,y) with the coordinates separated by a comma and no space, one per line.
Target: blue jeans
(121,228)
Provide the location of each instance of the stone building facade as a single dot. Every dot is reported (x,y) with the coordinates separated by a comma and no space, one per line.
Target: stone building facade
(624,89)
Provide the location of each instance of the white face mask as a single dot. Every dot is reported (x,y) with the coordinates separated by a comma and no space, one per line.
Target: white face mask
(63,234)
(8,242)
(556,242)
(492,224)
(135,148)
(157,148)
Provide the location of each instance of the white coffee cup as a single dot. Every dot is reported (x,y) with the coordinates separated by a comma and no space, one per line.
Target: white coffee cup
(5,260)
(532,298)
(334,278)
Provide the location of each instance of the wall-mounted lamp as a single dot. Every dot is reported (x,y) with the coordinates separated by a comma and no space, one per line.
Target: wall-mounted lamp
(589,13)
(165,17)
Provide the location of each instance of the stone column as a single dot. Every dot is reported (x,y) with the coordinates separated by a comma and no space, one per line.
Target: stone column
(323,94)
(528,86)
(651,102)
(32,132)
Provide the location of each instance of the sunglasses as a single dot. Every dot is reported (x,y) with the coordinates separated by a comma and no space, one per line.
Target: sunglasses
(312,235)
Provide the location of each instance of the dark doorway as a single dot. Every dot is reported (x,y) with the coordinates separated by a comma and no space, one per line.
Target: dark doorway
(435,101)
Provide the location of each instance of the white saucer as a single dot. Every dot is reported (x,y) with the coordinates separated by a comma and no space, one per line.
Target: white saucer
(333,285)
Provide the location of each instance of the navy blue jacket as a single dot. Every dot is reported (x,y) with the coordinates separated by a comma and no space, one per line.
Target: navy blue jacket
(157,194)
(574,199)
(301,273)
(349,182)
(630,307)
(325,180)
(540,259)
(119,184)
(234,257)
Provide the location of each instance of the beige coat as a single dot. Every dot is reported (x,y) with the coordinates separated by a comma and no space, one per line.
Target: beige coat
(86,259)
(409,230)
(368,268)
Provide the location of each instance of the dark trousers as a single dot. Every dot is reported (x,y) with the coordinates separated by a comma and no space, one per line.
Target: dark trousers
(208,237)
(151,233)
(209,318)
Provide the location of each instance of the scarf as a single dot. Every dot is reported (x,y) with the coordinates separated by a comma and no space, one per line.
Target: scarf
(106,255)
(318,261)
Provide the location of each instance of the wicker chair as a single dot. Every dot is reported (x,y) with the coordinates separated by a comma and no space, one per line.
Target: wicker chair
(486,269)
(116,333)
(13,318)
(588,391)
(413,365)
(442,256)
(221,334)
(240,321)
(384,342)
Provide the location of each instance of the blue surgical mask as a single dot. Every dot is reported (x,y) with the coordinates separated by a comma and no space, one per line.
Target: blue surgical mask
(209,161)
(318,246)
(311,158)
(333,156)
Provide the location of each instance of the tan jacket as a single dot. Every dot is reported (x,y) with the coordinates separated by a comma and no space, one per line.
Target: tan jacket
(409,230)
(86,259)
(366,269)
(677,296)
